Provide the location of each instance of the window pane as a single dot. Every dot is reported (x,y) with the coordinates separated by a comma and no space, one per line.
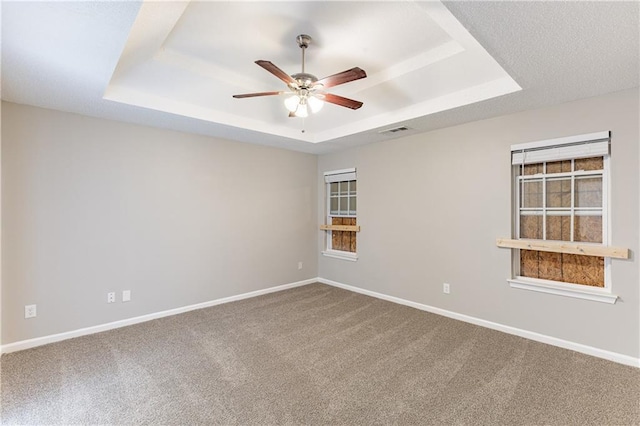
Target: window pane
(531,226)
(589,192)
(550,266)
(352,187)
(586,270)
(344,205)
(571,268)
(344,188)
(559,166)
(559,193)
(587,229)
(334,188)
(559,227)
(336,236)
(352,205)
(532,169)
(531,193)
(529,263)
(334,206)
(593,163)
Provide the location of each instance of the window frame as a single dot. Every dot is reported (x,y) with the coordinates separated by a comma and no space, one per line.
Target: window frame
(351,174)
(573,211)
(581,291)
(349,195)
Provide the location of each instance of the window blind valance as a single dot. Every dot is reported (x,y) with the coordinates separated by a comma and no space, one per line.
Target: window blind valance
(340,176)
(580,146)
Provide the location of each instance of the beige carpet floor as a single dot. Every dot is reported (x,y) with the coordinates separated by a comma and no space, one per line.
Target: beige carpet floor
(313,355)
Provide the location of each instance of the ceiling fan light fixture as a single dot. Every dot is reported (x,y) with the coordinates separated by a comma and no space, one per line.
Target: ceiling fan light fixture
(292,102)
(302,110)
(307,92)
(315,104)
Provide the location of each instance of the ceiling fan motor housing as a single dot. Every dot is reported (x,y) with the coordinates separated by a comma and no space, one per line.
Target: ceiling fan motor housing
(305,80)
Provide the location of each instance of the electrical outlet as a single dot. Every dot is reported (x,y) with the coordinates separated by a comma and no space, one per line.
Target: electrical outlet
(445,288)
(299,265)
(111,297)
(30,311)
(126,295)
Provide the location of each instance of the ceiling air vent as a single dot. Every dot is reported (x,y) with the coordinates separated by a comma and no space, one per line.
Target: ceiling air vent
(394,130)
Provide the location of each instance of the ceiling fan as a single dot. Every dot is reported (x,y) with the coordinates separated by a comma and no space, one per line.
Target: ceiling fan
(306,92)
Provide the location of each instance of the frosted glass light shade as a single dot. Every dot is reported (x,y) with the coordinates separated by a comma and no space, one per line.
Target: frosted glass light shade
(292,102)
(302,111)
(315,104)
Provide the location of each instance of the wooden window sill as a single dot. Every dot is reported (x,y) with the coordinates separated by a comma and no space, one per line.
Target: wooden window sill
(354,228)
(585,249)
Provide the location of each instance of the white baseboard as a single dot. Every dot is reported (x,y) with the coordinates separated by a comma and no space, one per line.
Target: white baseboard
(578,347)
(39,341)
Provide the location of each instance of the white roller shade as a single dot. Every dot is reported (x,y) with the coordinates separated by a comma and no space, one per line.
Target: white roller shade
(581,146)
(340,175)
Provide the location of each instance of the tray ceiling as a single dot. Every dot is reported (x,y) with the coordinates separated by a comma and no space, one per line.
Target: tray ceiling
(175,65)
(190,58)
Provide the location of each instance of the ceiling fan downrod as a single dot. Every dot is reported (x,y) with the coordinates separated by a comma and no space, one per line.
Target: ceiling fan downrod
(303,41)
(304,80)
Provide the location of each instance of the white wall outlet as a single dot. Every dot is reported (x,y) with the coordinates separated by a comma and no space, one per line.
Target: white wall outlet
(30,311)
(299,265)
(111,297)
(445,288)
(126,295)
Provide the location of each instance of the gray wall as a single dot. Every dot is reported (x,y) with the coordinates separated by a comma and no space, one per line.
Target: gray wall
(431,207)
(91,206)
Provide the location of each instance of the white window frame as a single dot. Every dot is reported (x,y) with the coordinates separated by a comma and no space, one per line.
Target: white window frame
(330,177)
(562,149)
(573,211)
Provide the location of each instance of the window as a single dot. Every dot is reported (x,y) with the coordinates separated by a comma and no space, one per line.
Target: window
(341,196)
(561,199)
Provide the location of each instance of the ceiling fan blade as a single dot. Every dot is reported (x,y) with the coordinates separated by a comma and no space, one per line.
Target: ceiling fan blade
(339,100)
(277,72)
(253,95)
(342,77)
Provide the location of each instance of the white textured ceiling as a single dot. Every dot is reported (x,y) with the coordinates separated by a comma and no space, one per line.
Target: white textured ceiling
(176,64)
